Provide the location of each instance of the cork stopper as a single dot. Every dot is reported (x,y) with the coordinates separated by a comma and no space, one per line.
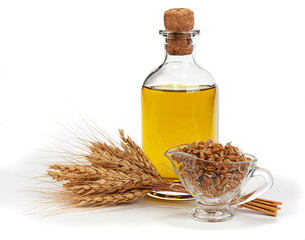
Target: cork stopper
(179,21)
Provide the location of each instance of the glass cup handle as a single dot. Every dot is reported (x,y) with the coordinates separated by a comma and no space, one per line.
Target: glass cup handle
(258,192)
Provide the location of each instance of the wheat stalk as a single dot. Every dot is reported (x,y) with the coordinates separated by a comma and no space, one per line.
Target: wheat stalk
(108,174)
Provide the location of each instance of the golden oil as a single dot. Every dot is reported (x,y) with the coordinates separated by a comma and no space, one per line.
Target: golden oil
(171,117)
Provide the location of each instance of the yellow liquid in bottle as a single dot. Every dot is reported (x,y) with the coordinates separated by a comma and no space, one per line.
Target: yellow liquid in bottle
(171,117)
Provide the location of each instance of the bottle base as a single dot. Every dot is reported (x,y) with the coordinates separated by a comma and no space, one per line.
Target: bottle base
(167,195)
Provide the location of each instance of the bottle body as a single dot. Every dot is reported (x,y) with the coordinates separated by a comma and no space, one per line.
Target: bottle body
(179,102)
(172,116)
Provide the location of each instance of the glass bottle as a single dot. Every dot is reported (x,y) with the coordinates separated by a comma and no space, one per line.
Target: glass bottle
(179,104)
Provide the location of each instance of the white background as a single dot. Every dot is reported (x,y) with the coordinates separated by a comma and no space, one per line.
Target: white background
(61,58)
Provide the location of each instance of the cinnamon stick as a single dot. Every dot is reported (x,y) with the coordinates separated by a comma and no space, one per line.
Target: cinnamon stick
(269,201)
(266,206)
(246,205)
(262,206)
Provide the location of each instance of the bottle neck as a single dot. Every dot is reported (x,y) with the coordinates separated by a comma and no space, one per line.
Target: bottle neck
(189,58)
(180,46)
